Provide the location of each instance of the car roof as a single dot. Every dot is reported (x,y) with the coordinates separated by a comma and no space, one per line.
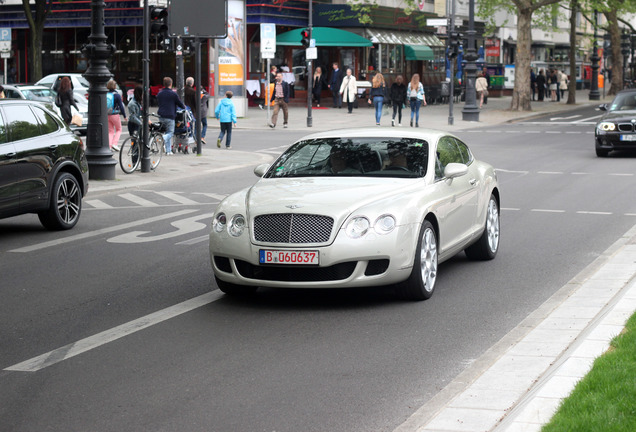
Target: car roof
(28,86)
(430,135)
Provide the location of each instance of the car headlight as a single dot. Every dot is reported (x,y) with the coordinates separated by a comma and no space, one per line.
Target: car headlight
(236,225)
(606,126)
(357,227)
(384,224)
(219,223)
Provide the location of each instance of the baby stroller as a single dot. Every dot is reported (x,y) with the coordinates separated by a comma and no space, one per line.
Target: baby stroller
(183,131)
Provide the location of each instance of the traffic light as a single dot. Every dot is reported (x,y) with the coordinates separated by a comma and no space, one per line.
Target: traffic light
(304,34)
(454,41)
(159,22)
(625,44)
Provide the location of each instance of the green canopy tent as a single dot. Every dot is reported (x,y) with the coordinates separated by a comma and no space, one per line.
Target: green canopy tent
(418,52)
(325,37)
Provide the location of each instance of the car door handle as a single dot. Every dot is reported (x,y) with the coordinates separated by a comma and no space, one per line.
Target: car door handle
(53,146)
(472,182)
(10,155)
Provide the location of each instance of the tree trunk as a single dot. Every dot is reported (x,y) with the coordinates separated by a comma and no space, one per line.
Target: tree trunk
(572,84)
(617,57)
(36,27)
(521,92)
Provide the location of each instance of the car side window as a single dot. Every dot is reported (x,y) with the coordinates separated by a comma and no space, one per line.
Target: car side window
(21,123)
(463,150)
(447,152)
(11,94)
(3,131)
(47,123)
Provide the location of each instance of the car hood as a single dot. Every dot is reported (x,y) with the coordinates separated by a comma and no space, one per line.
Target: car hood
(626,116)
(335,197)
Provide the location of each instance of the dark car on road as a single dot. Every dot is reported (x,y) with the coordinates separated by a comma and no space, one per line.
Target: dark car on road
(616,129)
(43,167)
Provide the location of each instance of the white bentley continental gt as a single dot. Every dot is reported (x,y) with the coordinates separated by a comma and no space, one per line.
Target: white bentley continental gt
(357,207)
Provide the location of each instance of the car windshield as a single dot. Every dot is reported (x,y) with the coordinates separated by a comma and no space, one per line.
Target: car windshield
(83,81)
(624,102)
(43,93)
(353,157)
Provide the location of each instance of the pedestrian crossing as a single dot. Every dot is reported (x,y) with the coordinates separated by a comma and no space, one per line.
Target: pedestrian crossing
(149,199)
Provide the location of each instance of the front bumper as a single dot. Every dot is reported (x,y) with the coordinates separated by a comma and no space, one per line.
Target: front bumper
(616,141)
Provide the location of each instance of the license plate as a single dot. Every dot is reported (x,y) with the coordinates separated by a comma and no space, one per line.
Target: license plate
(272,256)
(628,137)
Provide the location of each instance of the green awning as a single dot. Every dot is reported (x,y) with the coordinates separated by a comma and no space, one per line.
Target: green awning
(325,36)
(418,52)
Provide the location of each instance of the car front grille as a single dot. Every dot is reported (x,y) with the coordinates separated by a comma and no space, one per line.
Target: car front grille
(292,228)
(625,127)
(296,273)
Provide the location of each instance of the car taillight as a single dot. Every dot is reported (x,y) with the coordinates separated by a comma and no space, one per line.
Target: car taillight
(82,144)
(86,96)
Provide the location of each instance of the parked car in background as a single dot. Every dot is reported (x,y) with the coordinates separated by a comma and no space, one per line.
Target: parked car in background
(616,129)
(356,208)
(43,167)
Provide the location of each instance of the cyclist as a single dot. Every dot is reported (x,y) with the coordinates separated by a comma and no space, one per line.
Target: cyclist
(134,118)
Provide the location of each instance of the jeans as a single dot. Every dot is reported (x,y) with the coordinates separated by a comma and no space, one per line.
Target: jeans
(226,127)
(168,124)
(337,100)
(204,126)
(378,101)
(397,109)
(415,109)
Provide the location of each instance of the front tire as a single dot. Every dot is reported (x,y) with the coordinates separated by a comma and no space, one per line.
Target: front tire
(129,157)
(488,244)
(65,205)
(421,283)
(601,152)
(156,150)
(235,290)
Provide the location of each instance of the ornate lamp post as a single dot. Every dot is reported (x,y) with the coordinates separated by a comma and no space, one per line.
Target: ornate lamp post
(100,158)
(471,111)
(594,93)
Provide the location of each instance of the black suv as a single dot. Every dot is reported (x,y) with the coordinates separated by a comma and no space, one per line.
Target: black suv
(43,167)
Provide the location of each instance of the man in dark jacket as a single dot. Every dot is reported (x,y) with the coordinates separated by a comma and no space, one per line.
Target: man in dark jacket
(168,101)
(280,98)
(190,96)
(334,85)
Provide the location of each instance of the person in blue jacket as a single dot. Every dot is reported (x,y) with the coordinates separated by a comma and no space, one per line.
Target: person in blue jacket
(226,113)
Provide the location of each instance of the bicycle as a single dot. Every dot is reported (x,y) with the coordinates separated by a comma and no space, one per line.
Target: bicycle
(130,152)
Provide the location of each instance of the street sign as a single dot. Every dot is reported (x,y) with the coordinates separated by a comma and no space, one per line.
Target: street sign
(268,55)
(5,34)
(268,38)
(5,45)
(5,54)
(441,22)
(311,53)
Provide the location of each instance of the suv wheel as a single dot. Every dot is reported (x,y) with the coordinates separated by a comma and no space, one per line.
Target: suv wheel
(65,205)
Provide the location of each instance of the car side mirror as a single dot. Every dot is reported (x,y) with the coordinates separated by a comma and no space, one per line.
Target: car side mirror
(261,169)
(602,107)
(453,170)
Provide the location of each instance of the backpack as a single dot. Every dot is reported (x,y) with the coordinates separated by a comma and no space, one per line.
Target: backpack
(110,104)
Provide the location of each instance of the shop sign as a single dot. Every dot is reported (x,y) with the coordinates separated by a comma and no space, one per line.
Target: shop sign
(492,47)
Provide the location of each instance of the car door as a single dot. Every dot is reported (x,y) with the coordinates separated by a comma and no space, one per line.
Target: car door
(458,197)
(35,155)
(9,193)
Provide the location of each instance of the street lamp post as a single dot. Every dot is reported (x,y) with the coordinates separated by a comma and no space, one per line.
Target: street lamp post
(594,93)
(471,111)
(100,158)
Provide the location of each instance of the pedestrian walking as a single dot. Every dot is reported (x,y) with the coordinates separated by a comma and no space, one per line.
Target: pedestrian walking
(226,113)
(552,81)
(334,85)
(204,106)
(64,100)
(280,98)
(563,84)
(349,90)
(319,83)
(533,83)
(134,111)
(541,85)
(377,95)
(398,99)
(115,108)
(481,87)
(168,102)
(415,91)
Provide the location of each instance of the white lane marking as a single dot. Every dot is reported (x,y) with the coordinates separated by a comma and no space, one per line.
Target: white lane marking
(52,357)
(594,212)
(573,123)
(511,171)
(138,200)
(574,132)
(630,214)
(510,208)
(547,211)
(621,174)
(553,132)
(222,169)
(586,119)
(212,195)
(183,227)
(194,240)
(534,132)
(102,231)
(97,204)
(580,173)
(178,198)
(565,118)
(549,172)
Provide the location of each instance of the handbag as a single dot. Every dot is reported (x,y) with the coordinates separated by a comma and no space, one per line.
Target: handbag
(76,120)
(485,92)
(58,101)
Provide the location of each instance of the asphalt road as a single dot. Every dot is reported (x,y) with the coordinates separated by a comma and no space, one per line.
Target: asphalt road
(136,337)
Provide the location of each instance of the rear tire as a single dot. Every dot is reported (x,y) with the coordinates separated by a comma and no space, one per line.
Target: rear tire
(488,244)
(421,283)
(65,204)
(156,150)
(235,290)
(129,157)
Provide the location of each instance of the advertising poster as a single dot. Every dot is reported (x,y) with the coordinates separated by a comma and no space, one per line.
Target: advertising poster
(231,51)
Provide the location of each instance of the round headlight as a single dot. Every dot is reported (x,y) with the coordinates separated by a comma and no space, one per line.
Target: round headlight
(385,224)
(357,227)
(236,225)
(219,222)
(606,126)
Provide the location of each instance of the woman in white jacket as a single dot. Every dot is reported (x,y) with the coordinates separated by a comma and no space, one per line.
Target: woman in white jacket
(481,87)
(349,89)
